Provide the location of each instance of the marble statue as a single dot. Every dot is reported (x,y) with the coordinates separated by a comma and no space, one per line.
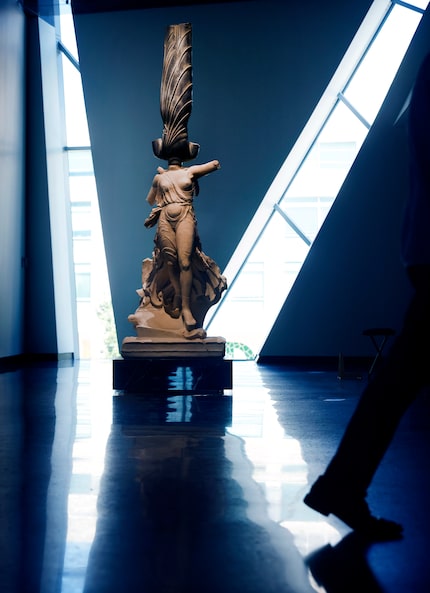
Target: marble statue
(180,282)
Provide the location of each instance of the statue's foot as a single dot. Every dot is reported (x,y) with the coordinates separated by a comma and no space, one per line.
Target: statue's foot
(194,334)
(189,321)
(175,311)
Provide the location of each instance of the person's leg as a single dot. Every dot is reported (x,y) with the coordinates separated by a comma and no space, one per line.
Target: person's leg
(342,488)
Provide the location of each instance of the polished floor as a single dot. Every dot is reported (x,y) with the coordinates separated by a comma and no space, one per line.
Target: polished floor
(103,492)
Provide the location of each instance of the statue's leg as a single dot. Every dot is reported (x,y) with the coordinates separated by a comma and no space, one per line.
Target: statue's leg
(172,268)
(185,233)
(167,244)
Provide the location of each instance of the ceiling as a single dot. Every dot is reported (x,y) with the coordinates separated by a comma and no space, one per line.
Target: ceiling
(89,6)
(46,8)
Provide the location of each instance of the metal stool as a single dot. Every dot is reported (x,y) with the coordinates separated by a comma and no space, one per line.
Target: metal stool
(379,337)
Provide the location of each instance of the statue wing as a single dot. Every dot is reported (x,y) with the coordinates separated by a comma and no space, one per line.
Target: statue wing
(176,84)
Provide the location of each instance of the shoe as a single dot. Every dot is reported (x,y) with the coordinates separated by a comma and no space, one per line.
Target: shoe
(344,567)
(353,511)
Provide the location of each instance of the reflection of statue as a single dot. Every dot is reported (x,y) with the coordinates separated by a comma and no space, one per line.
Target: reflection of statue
(179,511)
(180,283)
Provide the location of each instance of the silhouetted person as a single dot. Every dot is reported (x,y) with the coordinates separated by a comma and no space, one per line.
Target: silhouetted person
(342,489)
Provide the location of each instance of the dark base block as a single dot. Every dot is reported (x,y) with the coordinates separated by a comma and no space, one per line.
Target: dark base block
(172,375)
(174,415)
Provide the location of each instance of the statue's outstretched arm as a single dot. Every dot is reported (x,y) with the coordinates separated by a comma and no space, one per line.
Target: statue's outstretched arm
(204,169)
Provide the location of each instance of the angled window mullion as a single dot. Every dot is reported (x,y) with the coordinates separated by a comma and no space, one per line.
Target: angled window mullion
(292,224)
(409,5)
(354,110)
(68,55)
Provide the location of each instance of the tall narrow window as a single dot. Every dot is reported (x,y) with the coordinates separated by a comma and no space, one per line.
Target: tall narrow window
(96,327)
(303,192)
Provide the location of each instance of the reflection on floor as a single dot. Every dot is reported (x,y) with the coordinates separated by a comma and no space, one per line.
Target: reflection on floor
(102,492)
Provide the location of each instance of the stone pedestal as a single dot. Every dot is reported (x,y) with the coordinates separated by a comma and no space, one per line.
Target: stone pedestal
(165,364)
(167,347)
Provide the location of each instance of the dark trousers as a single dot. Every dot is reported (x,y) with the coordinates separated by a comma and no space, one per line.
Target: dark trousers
(390,391)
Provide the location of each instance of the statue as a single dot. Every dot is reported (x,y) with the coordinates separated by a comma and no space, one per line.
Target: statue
(177,240)
(180,283)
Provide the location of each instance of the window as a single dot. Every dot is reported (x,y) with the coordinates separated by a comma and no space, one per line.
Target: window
(96,328)
(307,184)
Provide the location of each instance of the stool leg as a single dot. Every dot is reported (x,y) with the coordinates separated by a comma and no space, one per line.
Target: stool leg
(379,349)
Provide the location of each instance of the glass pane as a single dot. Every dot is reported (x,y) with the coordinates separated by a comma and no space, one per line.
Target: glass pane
(67,31)
(83,285)
(372,80)
(81,249)
(97,338)
(259,292)
(76,116)
(82,191)
(80,162)
(319,179)
(419,3)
